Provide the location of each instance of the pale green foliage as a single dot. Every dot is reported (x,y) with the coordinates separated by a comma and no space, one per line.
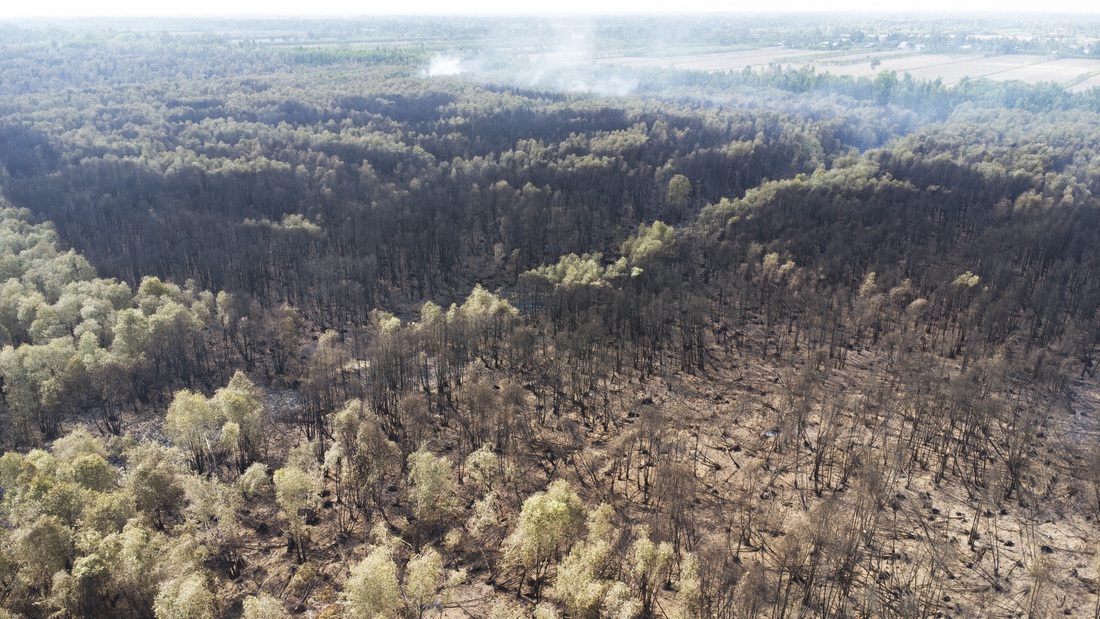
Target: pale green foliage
(291,222)
(618,142)
(144,561)
(263,606)
(651,242)
(380,535)
(77,442)
(108,512)
(41,549)
(46,325)
(154,480)
(650,561)
(92,472)
(12,294)
(581,584)
(212,508)
(691,585)
(171,327)
(484,516)
(42,463)
(63,499)
(966,280)
(453,538)
(52,275)
(362,456)
(231,422)
(371,591)
(483,302)
(131,335)
(772,270)
(649,565)
(153,294)
(546,611)
(230,438)
(29,249)
(297,490)
(622,267)
(35,377)
(80,591)
(186,597)
(577,588)
(620,603)
(574,270)
(455,578)
(431,316)
(482,466)
(254,481)
(240,404)
(16,471)
(548,524)
(916,308)
(584,270)
(385,322)
(867,288)
(679,191)
(89,308)
(185,554)
(1031,201)
(483,305)
(72,540)
(423,579)
(427,583)
(507,609)
(139,560)
(195,424)
(62,516)
(433,486)
(303,456)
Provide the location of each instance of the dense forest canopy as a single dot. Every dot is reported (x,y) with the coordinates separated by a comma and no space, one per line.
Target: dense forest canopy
(406,316)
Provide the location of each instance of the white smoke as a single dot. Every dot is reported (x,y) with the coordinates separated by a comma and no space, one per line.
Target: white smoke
(604,85)
(568,63)
(551,72)
(445,65)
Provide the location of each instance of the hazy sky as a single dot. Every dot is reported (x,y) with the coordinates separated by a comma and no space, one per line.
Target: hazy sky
(80,8)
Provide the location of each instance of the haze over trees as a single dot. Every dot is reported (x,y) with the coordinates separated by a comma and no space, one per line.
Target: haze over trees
(290,326)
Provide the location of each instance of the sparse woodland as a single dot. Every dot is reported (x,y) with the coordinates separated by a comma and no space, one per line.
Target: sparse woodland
(292,331)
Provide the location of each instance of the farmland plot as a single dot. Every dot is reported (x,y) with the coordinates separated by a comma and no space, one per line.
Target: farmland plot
(1075,73)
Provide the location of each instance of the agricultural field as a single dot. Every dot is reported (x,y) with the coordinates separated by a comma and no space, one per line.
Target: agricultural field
(1086,84)
(723,61)
(1077,74)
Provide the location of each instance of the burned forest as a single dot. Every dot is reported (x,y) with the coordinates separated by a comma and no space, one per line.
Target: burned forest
(404,318)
